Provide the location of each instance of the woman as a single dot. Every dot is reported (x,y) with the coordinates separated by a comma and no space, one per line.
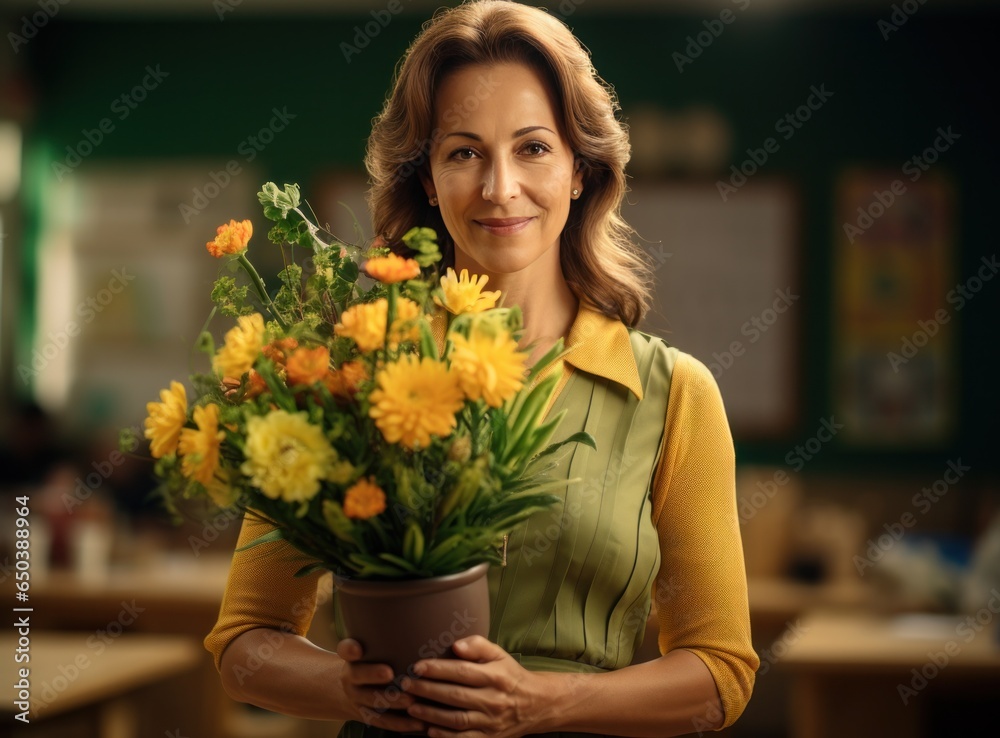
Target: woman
(500,135)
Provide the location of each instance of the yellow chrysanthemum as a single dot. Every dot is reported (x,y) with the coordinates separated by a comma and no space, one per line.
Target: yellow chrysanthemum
(488,366)
(242,347)
(414,399)
(364,500)
(230,239)
(392,268)
(365,323)
(463,294)
(166,418)
(199,449)
(287,456)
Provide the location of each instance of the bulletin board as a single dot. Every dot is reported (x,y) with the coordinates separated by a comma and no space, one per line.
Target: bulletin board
(728,290)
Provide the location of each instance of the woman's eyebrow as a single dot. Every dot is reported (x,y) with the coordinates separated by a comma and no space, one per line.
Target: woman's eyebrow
(516,134)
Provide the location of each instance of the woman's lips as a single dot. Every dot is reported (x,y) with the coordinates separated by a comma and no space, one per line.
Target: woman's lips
(503,226)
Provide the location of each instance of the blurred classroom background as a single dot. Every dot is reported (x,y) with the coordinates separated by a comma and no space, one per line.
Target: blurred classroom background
(813,181)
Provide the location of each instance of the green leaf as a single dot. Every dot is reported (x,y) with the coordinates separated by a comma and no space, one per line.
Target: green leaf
(413,542)
(309,569)
(579,437)
(398,561)
(278,534)
(338,523)
(428,347)
(277,203)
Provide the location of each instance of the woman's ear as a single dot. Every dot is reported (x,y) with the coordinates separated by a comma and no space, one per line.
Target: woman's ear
(579,169)
(427,183)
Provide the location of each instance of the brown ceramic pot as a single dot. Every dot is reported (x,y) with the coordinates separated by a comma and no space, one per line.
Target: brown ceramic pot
(401,622)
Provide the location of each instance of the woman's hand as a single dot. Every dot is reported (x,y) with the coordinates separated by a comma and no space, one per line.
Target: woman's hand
(487,692)
(379,706)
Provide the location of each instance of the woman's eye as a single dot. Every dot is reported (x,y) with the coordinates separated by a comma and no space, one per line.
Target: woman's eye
(542,148)
(534,148)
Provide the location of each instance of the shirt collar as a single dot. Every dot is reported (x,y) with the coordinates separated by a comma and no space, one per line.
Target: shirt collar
(601,345)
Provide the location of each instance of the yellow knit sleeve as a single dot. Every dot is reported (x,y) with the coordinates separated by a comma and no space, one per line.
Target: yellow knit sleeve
(262,590)
(701,591)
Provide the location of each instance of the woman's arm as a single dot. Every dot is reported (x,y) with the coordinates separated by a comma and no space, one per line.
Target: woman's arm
(287,673)
(495,696)
(701,589)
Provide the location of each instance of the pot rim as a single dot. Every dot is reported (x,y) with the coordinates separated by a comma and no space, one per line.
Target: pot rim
(404,587)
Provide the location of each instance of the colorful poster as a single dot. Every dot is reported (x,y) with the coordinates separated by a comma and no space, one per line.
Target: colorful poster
(894,346)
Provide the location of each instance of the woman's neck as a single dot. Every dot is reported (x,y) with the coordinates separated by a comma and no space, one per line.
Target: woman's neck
(547,303)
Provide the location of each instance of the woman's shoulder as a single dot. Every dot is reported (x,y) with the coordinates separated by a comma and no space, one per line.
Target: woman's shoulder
(687,373)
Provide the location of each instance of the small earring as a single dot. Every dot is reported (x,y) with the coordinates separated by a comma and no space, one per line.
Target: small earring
(576,193)
(433,201)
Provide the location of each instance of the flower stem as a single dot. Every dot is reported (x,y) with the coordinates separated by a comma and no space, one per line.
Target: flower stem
(474,429)
(258,284)
(390,317)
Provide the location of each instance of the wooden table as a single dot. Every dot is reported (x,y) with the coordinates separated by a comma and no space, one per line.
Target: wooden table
(178,595)
(81,685)
(861,675)
(170,595)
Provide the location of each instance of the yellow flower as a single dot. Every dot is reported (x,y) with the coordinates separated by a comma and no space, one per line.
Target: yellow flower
(166,418)
(365,323)
(488,365)
(231,239)
(364,500)
(413,399)
(287,456)
(465,295)
(243,346)
(405,327)
(306,366)
(391,269)
(199,449)
(341,472)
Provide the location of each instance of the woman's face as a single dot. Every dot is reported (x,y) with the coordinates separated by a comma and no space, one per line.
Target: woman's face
(501,169)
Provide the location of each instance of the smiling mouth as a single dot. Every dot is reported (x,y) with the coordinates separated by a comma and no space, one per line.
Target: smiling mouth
(503,226)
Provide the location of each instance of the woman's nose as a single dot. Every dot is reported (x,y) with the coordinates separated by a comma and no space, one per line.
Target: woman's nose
(501,183)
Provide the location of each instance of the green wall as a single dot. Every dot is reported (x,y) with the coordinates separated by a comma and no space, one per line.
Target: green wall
(889,97)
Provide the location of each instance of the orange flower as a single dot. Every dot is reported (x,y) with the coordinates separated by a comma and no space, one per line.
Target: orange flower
(344,382)
(277,351)
(230,239)
(256,386)
(392,268)
(306,366)
(364,500)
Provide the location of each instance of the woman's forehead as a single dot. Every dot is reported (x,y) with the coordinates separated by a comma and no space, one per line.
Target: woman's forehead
(497,97)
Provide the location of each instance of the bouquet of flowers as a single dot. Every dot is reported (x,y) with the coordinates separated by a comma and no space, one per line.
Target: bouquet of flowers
(389,431)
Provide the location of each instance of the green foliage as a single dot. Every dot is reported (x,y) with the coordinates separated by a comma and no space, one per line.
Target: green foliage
(231,298)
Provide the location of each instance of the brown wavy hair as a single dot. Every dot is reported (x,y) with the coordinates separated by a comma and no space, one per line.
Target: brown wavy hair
(600,262)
